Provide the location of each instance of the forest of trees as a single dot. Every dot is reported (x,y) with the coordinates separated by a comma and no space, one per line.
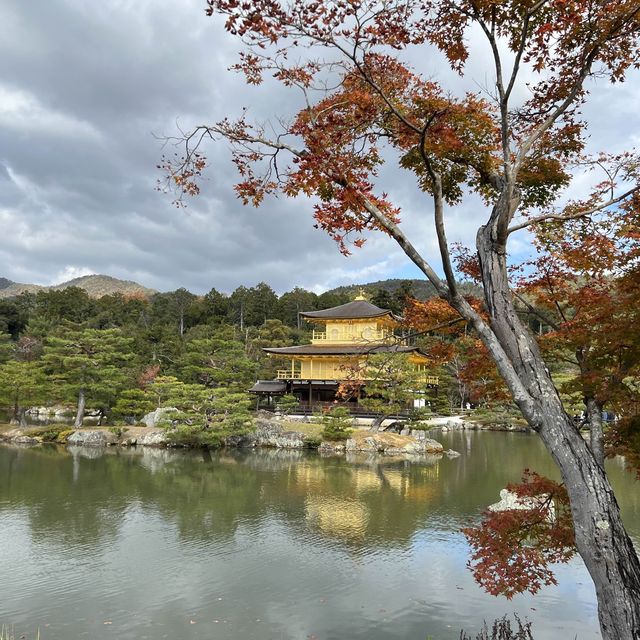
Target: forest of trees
(125,355)
(122,356)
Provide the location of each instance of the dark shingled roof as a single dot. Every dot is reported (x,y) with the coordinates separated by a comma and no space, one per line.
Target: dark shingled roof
(351,310)
(339,350)
(268,386)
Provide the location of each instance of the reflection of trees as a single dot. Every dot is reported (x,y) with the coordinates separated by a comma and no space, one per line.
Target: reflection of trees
(364,502)
(65,512)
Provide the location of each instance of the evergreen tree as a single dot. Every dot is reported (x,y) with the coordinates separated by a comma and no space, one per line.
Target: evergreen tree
(216,306)
(71,304)
(392,383)
(22,384)
(292,303)
(132,405)
(383,299)
(219,361)
(7,347)
(273,333)
(88,364)
(14,315)
(204,416)
(337,424)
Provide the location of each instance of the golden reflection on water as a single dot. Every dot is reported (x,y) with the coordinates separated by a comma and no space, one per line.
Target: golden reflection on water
(342,510)
(337,517)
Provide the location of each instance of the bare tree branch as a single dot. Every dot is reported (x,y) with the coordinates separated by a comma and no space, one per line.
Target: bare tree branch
(573,216)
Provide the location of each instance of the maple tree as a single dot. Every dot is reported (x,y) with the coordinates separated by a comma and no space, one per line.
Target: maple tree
(512,549)
(585,288)
(515,147)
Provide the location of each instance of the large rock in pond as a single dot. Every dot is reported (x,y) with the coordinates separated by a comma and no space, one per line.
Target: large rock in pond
(424,445)
(91,439)
(11,435)
(331,448)
(25,440)
(242,442)
(392,444)
(270,434)
(155,418)
(510,501)
(154,439)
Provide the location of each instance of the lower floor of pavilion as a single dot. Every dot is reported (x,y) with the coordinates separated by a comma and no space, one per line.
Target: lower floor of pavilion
(318,394)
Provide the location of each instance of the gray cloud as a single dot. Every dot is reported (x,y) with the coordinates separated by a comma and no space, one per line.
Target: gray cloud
(83,88)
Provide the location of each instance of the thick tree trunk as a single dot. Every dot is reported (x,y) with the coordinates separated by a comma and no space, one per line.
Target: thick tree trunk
(15,416)
(601,538)
(19,416)
(80,413)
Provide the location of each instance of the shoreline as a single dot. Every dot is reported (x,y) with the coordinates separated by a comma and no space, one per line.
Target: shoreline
(271,431)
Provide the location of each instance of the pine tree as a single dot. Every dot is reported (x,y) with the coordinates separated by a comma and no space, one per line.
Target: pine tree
(88,364)
(22,384)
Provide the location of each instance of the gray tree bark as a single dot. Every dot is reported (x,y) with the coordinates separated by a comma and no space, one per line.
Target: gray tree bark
(81,407)
(601,539)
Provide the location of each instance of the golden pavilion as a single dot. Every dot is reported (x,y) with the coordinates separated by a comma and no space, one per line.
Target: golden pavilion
(341,342)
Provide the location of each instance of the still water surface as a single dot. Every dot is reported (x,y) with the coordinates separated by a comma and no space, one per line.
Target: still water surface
(267,544)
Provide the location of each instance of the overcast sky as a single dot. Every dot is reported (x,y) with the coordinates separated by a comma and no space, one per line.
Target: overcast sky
(84,86)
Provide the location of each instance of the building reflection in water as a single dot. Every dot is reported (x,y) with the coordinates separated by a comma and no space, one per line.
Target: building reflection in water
(340,505)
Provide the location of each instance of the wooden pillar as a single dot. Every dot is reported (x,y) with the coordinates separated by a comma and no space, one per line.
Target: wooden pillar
(310,393)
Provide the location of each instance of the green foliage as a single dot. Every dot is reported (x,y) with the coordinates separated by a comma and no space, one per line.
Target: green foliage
(48,433)
(6,347)
(273,333)
(54,307)
(88,361)
(203,416)
(22,384)
(392,384)
(292,303)
(14,315)
(416,416)
(132,404)
(312,442)
(252,307)
(498,414)
(217,361)
(287,403)
(337,424)
(162,389)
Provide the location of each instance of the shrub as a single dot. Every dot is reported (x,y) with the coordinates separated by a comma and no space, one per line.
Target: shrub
(337,424)
(312,442)
(286,404)
(118,432)
(50,433)
(63,435)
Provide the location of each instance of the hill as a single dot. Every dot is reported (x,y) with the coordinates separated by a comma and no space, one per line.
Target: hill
(421,289)
(95,285)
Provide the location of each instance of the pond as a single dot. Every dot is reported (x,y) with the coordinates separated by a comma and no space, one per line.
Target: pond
(267,544)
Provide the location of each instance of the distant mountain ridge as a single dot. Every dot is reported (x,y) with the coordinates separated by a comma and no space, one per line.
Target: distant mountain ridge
(422,289)
(95,285)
